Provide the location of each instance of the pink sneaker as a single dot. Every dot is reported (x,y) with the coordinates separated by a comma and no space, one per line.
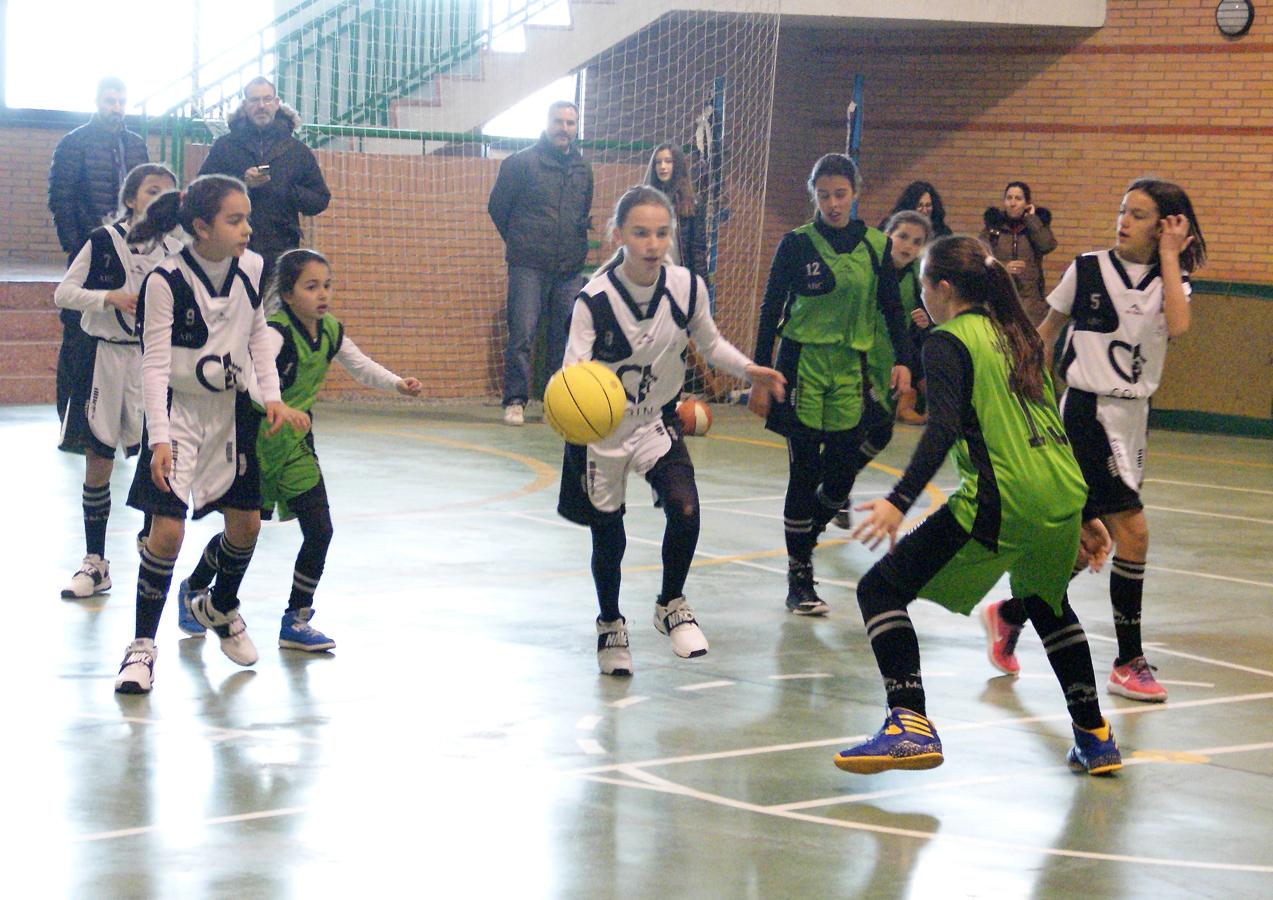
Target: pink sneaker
(1001,639)
(1136,681)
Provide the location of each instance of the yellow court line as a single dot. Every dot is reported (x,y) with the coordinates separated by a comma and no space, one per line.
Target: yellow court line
(545,475)
(936,494)
(1213,460)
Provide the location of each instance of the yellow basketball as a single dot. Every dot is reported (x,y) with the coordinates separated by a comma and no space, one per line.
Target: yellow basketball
(584,402)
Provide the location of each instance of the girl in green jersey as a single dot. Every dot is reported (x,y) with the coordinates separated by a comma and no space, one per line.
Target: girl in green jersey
(1018,509)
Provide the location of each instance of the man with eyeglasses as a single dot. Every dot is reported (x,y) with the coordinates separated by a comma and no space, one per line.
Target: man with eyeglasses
(281,173)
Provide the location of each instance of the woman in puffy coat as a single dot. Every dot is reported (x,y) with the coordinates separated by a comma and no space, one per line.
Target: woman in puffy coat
(1019,235)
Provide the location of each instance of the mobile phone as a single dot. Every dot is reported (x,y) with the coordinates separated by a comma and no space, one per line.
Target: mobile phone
(262,170)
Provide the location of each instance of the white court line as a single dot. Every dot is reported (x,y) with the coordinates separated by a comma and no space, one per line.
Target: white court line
(219,820)
(1201,684)
(1193,657)
(800,675)
(1209,515)
(213,732)
(1213,487)
(591,746)
(705,685)
(764,498)
(626,702)
(1113,711)
(647,781)
(1263,584)
(587,723)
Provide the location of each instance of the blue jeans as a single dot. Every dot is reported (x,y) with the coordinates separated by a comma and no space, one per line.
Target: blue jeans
(532,292)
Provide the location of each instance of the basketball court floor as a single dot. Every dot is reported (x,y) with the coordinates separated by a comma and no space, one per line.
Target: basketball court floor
(460,743)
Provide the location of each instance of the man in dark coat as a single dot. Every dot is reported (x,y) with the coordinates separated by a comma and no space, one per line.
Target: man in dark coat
(89,165)
(541,204)
(282,175)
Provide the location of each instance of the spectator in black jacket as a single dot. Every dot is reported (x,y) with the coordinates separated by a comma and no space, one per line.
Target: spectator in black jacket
(669,171)
(89,165)
(282,174)
(541,204)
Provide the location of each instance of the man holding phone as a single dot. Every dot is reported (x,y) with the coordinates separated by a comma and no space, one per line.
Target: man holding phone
(281,173)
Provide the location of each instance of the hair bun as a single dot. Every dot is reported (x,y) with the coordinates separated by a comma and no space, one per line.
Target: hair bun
(990,261)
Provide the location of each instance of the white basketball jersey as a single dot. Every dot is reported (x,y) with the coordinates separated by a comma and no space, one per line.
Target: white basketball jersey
(1117,338)
(117,266)
(211,324)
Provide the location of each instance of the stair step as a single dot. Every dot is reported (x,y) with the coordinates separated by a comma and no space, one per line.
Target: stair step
(27,294)
(30,324)
(28,389)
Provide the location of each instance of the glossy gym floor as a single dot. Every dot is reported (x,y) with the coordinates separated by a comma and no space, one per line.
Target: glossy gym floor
(460,743)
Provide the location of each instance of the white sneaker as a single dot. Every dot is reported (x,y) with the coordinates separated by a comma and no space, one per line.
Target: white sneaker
(230,628)
(94,577)
(613,656)
(137,671)
(514,414)
(676,620)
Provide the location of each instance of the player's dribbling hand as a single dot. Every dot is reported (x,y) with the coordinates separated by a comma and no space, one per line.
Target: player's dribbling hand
(124,301)
(882,521)
(279,414)
(1094,544)
(409,387)
(161,466)
(900,380)
(768,386)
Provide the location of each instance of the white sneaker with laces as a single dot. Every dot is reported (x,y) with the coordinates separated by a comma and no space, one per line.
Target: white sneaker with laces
(137,671)
(94,577)
(514,414)
(676,620)
(613,655)
(230,628)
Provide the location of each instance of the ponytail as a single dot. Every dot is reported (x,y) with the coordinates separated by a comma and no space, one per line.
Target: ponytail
(982,281)
(201,200)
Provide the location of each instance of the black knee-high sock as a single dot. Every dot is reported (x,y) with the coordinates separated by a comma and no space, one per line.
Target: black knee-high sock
(1126,594)
(609,541)
(206,570)
(232,565)
(1066,645)
(97,510)
(154,577)
(1013,609)
(316,533)
(680,538)
(894,642)
(804,460)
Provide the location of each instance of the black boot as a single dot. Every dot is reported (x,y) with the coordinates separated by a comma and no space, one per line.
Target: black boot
(802,599)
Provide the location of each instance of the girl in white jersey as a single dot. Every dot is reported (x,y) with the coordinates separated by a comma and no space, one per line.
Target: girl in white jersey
(105,407)
(636,317)
(1121,307)
(201,325)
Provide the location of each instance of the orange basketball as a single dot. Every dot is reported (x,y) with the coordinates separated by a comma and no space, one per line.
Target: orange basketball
(695,416)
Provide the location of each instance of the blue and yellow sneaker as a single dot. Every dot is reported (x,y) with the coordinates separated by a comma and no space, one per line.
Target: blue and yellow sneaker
(907,740)
(1095,752)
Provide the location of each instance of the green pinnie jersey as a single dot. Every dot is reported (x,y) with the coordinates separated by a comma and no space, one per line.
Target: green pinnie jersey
(847,314)
(1017,473)
(880,359)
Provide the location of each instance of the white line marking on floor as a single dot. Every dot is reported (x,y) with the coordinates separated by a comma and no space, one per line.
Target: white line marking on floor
(1201,684)
(1231,580)
(587,723)
(591,746)
(800,675)
(211,732)
(653,783)
(219,820)
(1209,515)
(1112,711)
(705,685)
(626,702)
(1194,657)
(1213,487)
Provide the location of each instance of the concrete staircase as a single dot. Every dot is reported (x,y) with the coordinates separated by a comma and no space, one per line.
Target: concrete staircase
(30,334)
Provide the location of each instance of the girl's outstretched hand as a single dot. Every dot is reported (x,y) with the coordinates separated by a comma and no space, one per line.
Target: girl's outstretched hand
(409,387)
(768,386)
(882,521)
(1174,237)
